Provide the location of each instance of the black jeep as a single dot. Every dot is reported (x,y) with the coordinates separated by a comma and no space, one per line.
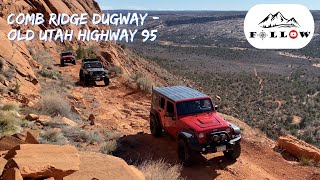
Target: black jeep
(92,70)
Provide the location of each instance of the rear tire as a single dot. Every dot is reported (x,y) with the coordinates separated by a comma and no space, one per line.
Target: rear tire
(106,81)
(62,63)
(74,62)
(234,153)
(184,152)
(155,126)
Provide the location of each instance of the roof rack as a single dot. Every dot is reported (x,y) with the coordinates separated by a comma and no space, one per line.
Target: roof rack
(90,60)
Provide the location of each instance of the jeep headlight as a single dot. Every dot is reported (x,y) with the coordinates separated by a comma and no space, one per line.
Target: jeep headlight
(91,73)
(201,135)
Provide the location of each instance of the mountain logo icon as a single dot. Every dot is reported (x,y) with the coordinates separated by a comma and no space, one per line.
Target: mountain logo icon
(278,20)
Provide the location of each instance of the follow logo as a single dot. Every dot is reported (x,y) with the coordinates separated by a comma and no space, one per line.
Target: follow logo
(279,26)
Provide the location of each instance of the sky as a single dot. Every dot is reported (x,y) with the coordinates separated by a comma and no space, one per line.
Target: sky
(198,4)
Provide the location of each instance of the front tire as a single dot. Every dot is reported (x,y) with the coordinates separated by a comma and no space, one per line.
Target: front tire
(86,81)
(155,126)
(184,152)
(234,153)
(74,62)
(81,77)
(106,81)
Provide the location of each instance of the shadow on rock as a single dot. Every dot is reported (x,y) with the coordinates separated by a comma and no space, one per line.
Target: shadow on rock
(135,149)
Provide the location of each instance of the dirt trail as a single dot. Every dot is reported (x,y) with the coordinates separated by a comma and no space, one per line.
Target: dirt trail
(121,108)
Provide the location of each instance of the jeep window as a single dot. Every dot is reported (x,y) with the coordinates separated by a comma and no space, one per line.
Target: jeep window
(170,108)
(194,107)
(162,102)
(66,54)
(93,65)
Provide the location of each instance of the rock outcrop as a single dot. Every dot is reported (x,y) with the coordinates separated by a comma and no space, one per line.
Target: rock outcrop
(299,148)
(100,166)
(36,161)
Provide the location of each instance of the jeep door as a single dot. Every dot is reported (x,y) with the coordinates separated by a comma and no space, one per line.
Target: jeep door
(170,117)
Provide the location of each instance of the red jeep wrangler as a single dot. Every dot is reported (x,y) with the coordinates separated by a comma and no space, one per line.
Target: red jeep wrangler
(67,57)
(192,118)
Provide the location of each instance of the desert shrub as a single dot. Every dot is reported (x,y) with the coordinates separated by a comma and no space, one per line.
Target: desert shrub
(108,147)
(28,124)
(91,51)
(53,104)
(160,170)
(9,124)
(93,136)
(76,134)
(2,78)
(123,46)
(80,52)
(144,83)
(2,63)
(16,89)
(111,135)
(117,70)
(9,107)
(68,48)
(52,74)
(306,162)
(43,57)
(52,136)
(9,74)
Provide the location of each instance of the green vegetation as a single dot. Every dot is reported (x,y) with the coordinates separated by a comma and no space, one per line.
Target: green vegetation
(9,107)
(116,70)
(52,74)
(307,162)
(88,52)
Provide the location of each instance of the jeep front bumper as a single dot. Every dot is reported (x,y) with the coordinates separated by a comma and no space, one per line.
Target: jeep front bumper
(213,148)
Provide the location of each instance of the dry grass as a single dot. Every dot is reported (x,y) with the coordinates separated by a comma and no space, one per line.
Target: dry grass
(53,104)
(160,170)
(9,124)
(9,107)
(144,83)
(108,147)
(307,162)
(52,136)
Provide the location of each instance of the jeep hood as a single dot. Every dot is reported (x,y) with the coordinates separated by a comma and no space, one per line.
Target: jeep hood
(205,121)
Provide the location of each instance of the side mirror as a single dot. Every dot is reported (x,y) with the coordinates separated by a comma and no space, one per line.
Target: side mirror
(216,108)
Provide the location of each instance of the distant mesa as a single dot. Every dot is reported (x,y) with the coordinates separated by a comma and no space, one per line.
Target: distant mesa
(278,20)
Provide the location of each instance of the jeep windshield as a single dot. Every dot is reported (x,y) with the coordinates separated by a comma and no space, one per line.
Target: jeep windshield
(93,65)
(194,107)
(67,54)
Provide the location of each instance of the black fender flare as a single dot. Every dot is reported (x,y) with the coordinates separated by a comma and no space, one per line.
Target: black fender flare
(188,136)
(156,115)
(236,129)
